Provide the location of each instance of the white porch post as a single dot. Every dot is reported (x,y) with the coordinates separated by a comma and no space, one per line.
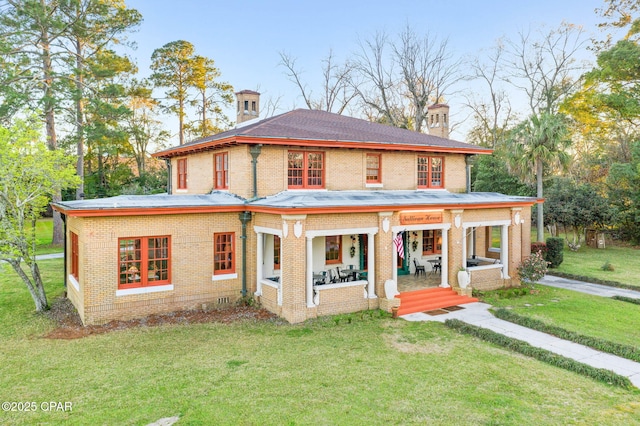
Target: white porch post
(371,278)
(464,248)
(394,269)
(504,250)
(444,262)
(259,262)
(309,273)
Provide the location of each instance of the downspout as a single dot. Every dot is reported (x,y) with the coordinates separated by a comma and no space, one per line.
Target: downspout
(245,217)
(469,160)
(255,150)
(64,248)
(168,162)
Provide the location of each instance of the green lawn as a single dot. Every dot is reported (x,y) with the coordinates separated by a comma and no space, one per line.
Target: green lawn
(595,316)
(44,235)
(358,369)
(588,262)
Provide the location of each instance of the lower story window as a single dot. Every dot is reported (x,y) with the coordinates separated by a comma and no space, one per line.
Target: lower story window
(144,261)
(276,252)
(432,241)
(223,253)
(74,256)
(333,251)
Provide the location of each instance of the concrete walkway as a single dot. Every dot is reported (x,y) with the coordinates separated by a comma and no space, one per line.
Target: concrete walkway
(595,289)
(478,314)
(50,256)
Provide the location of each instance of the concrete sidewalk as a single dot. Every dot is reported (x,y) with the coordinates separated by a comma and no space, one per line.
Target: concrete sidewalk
(589,288)
(478,314)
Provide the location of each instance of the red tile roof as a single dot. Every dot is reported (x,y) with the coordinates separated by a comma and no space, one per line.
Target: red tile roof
(325,129)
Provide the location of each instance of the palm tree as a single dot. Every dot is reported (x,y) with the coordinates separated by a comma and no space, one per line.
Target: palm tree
(541,141)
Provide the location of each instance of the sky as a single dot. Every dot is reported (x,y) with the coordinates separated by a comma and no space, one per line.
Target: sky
(244,37)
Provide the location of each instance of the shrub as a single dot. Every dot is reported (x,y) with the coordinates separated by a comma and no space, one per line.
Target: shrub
(555,247)
(538,246)
(532,268)
(607,267)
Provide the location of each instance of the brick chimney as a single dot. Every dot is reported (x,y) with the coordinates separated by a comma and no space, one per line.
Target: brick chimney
(438,117)
(248,105)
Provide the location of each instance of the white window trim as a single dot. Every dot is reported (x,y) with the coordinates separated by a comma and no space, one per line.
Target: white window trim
(374,185)
(144,290)
(224,277)
(74,282)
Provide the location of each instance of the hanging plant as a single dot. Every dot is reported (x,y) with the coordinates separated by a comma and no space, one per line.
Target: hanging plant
(352,251)
(414,244)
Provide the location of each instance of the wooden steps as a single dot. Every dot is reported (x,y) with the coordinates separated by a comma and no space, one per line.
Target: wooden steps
(430,299)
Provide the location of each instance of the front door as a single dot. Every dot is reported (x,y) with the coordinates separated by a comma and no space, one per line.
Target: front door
(403,264)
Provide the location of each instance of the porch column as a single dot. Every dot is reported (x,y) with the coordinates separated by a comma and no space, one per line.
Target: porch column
(309,273)
(394,270)
(464,248)
(259,262)
(504,250)
(371,264)
(444,263)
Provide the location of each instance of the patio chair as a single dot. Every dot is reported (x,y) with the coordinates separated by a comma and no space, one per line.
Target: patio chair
(333,276)
(323,280)
(344,275)
(420,269)
(437,267)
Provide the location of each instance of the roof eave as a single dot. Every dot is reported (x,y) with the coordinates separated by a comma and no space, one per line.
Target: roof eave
(316,143)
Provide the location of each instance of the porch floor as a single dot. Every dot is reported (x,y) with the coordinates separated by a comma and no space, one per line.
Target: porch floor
(414,282)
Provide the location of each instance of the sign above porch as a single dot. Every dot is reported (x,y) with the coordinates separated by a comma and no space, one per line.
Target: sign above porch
(420,217)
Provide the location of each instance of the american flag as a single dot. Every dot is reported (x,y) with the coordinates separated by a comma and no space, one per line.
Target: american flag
(397,241)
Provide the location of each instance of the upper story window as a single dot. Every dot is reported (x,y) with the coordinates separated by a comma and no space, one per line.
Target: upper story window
(373,168)
(430,172)
(223,253)
(144,261)
(305,169)
(221,171)
(75,269)
(432,241)
(182,173)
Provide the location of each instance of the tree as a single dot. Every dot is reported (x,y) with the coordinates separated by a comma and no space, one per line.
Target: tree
(211,96)
(31,30)
(143,126)
(93,27)
(623,184)
(337,90)
(492,175)
(29,175)
(427,74)
(539,142)
(544,67)
(171,65)
(576,207)
(492,116)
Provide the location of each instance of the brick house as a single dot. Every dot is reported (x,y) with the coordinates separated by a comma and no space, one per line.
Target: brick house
(281,209)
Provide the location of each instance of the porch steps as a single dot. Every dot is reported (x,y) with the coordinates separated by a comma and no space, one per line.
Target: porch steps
(430,299)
